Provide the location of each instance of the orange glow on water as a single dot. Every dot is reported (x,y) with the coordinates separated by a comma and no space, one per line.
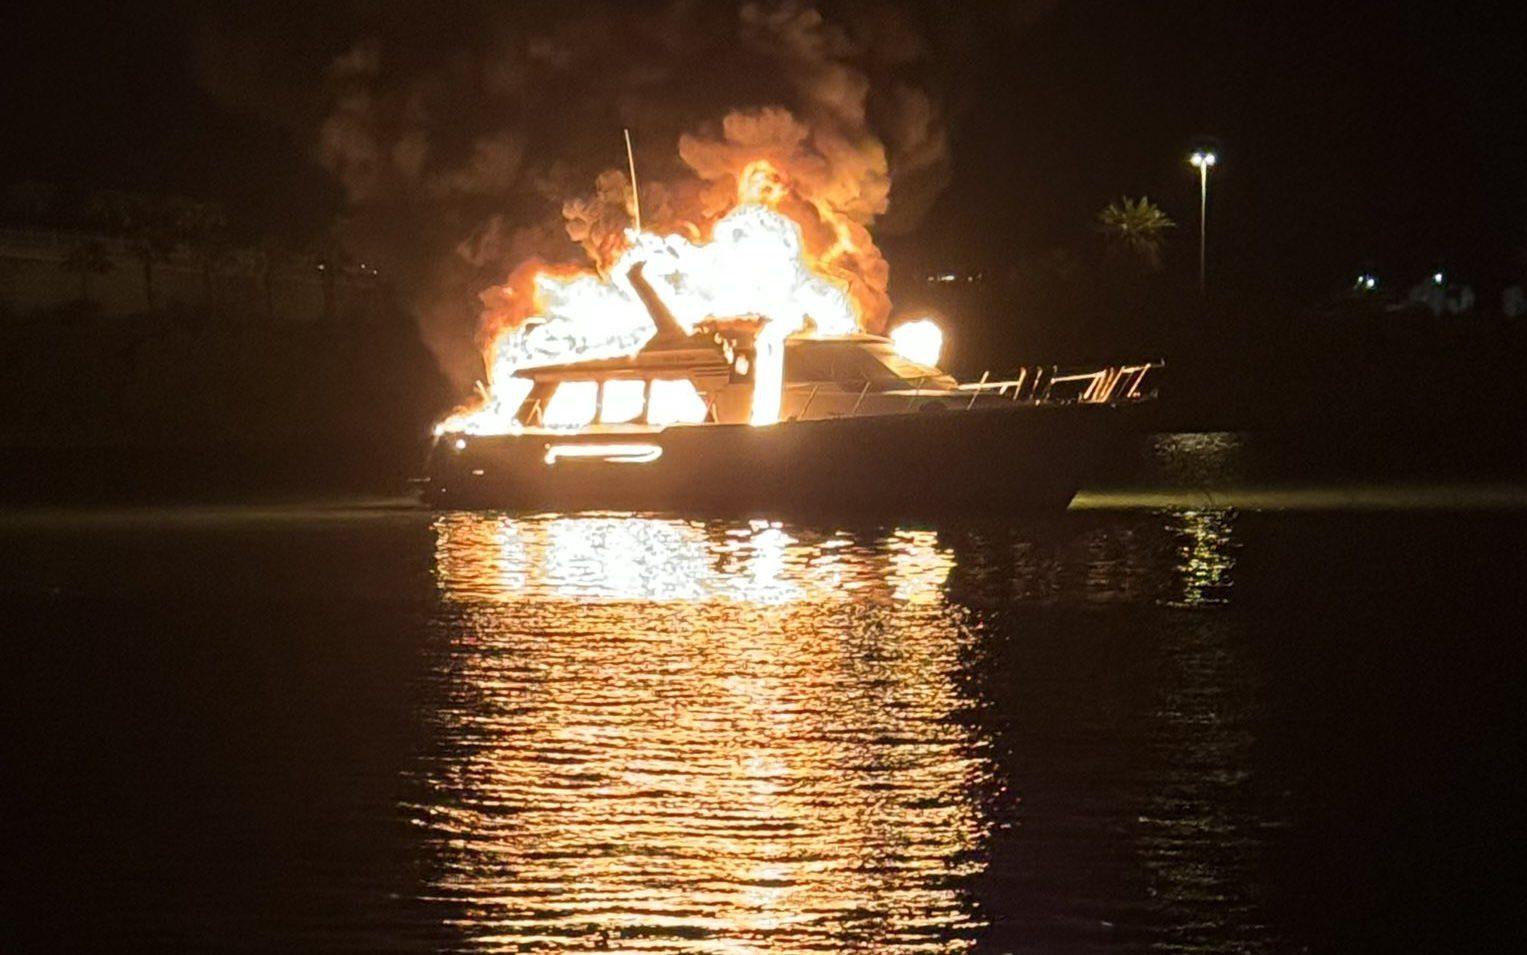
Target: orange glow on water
(728,752)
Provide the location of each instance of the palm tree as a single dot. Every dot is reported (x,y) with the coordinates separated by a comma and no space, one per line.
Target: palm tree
(328,258)
(86,257)
(151,243)
(1138,225)
(259,262)
(112,211)
(200,227)
(32,203)
(141,222)
(271,253)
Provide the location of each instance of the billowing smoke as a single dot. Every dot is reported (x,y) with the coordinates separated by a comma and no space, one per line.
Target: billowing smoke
(472,138)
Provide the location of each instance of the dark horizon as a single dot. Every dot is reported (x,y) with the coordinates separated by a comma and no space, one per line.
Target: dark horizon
(1351,139)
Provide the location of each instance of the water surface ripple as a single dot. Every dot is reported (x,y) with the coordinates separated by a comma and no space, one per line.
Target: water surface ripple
(716,736)
(371,727)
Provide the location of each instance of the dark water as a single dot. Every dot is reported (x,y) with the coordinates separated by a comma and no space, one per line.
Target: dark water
(368,727)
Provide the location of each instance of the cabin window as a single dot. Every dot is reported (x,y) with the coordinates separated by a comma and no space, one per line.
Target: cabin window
(572,405)
(910,371)
(806,363)
(675,401)
(846,363)
(621,400)
(852,364)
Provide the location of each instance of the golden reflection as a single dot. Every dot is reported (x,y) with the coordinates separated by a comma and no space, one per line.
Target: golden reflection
(670,735)
(918,567)
(1206,555)
(497,558)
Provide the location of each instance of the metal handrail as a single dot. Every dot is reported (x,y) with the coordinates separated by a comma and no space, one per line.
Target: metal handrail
(1106,385)
(809,398)
(862,392)
(976,391)
(917,391)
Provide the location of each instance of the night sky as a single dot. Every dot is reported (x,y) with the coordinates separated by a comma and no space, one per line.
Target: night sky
(1352,135)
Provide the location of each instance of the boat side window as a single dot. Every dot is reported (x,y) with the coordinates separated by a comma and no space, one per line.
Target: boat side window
(534,403)
(572,405)
(910,371)
(675,401)
(844,363)
(621,400)
(806,363)
(866,367)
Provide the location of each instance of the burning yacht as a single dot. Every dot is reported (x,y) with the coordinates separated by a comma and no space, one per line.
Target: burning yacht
(739,372)
(858,424)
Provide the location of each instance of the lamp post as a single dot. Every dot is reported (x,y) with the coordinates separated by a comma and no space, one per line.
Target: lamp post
(1202,160)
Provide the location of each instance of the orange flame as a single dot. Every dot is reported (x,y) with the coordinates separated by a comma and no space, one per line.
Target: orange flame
(791,261)
(762,184)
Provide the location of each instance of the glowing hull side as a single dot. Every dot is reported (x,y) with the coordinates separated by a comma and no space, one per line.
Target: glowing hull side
(904,465)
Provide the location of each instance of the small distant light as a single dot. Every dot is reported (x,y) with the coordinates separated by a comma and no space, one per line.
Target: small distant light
(1437,278)
(1370,283)
(1203,159)
(461,444)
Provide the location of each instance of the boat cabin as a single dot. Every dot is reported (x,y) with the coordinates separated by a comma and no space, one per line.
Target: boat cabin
(696,384)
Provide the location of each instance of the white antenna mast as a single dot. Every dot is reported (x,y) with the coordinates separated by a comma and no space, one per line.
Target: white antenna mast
(636,198)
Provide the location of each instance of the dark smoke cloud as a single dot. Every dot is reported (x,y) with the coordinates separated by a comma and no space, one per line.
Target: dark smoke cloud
(469,137)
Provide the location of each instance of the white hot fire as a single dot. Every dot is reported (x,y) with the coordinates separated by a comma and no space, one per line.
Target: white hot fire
(920,341)
(754,264)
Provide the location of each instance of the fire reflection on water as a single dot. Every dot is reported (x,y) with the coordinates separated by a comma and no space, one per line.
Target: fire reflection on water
(659,734)
(1206,556)
(620,557)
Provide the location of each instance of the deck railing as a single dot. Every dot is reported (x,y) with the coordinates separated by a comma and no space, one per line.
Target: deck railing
(1112,384)
(1034,385)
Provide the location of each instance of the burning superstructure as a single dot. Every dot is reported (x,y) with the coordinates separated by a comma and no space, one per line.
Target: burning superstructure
(754,268)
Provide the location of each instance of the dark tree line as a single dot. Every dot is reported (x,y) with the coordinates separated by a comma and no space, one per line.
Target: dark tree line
(155,229)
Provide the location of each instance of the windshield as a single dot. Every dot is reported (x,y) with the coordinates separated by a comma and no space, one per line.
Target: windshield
(908,370)
(854,362)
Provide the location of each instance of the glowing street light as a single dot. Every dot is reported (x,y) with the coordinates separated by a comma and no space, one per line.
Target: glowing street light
(1202,160)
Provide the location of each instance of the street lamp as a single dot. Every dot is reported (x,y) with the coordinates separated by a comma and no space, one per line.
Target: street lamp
(1202,160)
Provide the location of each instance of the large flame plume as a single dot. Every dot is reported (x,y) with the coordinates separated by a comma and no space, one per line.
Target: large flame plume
(769,233)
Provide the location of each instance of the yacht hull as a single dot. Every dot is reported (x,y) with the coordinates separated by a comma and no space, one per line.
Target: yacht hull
(1026,457)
